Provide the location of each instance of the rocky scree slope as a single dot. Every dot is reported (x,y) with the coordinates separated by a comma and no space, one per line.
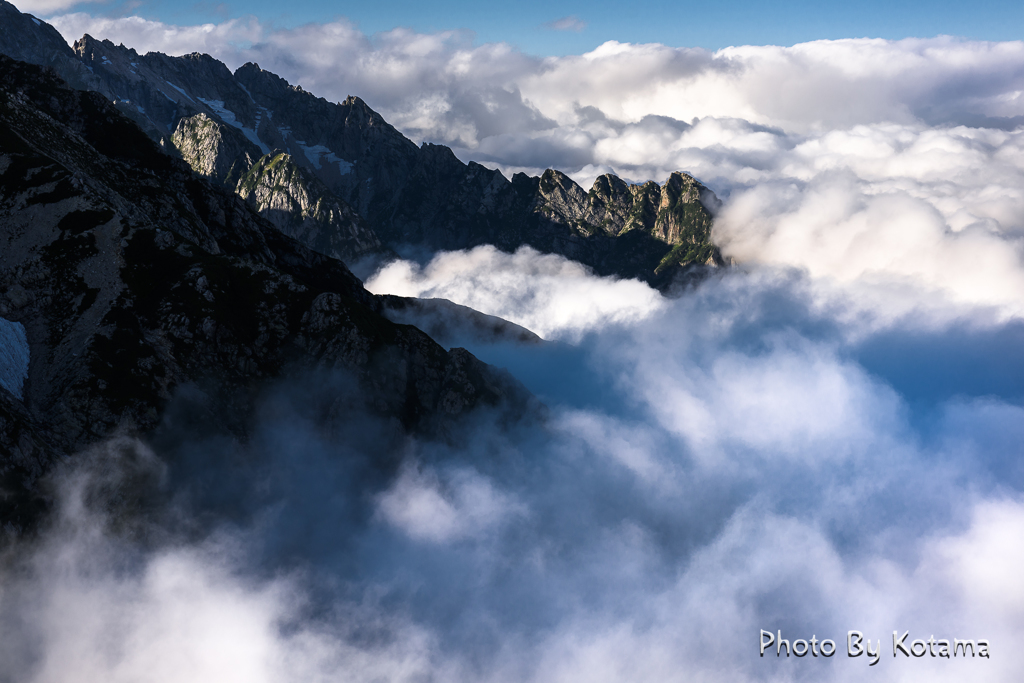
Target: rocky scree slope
(134,279)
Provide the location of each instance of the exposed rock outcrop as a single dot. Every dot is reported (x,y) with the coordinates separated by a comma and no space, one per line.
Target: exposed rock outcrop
(301,206)
(215,151)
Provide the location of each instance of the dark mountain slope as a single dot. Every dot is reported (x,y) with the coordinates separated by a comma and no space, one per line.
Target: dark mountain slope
(134,278)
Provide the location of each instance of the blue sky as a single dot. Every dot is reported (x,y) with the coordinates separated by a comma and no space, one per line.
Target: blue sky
(528,24)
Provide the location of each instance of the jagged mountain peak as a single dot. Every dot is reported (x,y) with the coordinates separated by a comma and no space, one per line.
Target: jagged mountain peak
(251,73)
(609,187)
(356,101)
(87,42)
(404,193)
(29,39)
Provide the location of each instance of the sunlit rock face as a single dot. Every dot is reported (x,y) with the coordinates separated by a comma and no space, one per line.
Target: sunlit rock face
(301,206)
(215,151)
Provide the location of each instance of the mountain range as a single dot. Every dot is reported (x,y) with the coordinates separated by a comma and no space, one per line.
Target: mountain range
(253,132)
(174,240)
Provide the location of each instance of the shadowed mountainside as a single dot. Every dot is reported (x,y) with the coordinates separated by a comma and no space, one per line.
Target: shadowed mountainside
(135,278)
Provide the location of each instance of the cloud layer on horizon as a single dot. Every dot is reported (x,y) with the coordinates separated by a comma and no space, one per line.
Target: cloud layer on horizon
(899,164)
(47,7)
(444,88)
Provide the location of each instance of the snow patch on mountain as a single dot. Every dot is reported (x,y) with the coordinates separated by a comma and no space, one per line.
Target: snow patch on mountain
(318,154)
(228,117)
(247,92)
(179,90)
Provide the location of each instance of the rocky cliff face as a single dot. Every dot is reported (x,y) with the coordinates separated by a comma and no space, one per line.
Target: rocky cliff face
(224,124)
(648,231)
(135,278)
(218,153)
(301,206)
(289,196)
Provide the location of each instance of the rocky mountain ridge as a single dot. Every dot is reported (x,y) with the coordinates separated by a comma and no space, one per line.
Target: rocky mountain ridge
(299,205)
(29,39)
(225,124)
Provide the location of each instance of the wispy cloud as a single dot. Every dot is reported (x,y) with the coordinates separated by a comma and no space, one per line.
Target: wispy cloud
(569,23)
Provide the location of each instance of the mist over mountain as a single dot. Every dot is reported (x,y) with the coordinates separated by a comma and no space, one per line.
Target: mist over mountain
(824,436)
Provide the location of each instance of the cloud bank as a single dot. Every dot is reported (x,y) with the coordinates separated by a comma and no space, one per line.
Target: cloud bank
(550,295)
(45,7)
(744,468)
(442,87)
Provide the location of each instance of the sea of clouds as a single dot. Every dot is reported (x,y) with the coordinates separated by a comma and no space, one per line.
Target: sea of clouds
(825,437)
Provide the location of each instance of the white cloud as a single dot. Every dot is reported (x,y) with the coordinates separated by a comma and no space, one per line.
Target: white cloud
(220,40)
(634,447)
(548,294)
(881,233)
(986,559)
(427,507)
(45,7)
(787,403)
